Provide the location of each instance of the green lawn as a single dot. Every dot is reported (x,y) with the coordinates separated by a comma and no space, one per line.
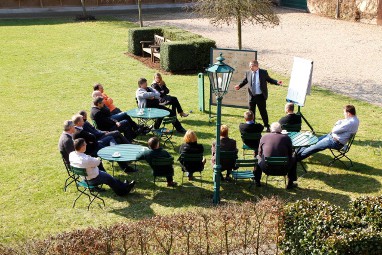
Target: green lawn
(47,71)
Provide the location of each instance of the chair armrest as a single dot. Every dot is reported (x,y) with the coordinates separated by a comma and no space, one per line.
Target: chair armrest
(155,46)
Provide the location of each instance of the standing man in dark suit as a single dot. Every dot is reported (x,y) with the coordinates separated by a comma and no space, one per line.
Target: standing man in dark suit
(250,127)
(258,89)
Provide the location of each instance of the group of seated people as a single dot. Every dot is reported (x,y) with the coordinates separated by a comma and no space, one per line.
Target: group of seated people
(277,144)
(80,140)
(112,126)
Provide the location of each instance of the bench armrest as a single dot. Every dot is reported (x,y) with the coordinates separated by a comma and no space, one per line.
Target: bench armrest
(155,46)
(146,41)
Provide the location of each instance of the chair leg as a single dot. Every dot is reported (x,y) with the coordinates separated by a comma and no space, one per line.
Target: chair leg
(67,184)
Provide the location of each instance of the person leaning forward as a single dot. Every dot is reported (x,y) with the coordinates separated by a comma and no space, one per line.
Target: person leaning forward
(257,89)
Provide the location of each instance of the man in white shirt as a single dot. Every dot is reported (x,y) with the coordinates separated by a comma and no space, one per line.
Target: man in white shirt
(78,158)
(340,135)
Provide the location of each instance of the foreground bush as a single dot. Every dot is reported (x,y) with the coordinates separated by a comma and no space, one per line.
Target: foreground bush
(234,229)
(317,227)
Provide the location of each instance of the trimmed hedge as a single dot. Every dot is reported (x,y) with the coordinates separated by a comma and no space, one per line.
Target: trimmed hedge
(233,229)
(186,51)
(317,227)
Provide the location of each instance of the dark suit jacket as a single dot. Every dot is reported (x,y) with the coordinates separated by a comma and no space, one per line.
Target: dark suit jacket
(226,144)
(89,128)
(148,155)
(103,119)
(249,129)
(274,145)
(263,77)
(192,148)
(66,146)
(90,139)
(290,119)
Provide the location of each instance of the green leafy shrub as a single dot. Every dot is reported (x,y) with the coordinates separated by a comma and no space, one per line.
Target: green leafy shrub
(185,51)
(317,227)
(136,35)
(368,210)
(233,229)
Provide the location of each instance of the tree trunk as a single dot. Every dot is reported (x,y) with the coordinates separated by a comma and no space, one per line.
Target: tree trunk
(239,31)
(140,13)
(83,8)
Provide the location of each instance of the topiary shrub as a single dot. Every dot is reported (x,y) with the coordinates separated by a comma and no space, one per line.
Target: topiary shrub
(184,51)
(317,227)
(136,35)
(368,210)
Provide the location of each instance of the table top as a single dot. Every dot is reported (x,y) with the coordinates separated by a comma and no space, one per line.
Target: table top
(147,113)
(302,139)
(128,152)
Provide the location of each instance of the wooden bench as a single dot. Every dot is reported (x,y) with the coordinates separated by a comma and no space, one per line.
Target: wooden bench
(152,47)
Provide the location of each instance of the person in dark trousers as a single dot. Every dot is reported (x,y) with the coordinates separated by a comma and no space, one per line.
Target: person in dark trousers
(257,80)
(155,151)
(276,144)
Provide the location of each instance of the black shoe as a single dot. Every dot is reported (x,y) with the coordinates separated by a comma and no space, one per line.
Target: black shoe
(130,187)
(268,130)
(228,179)
(257,184)
(292,185)
(129,169)
(172,184)
(181,130)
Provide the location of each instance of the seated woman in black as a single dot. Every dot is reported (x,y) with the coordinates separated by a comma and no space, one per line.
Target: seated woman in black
(191,146)
(165,99)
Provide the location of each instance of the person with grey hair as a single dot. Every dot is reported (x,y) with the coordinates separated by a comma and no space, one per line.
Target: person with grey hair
(257,89)
(291,118)
(95,177)
(149,98)
(65,143)
(276,144)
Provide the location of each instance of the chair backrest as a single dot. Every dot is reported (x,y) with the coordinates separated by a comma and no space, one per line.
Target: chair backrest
(228,159)
(78,170)
(67,165)
(277,166)
(347,146)
(291,127)
(240,163)
(191,161)
(250,136)
(168,120)
(158,40)
(162,161)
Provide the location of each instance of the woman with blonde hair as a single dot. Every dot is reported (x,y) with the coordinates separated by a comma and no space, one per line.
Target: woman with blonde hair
(191,146)
(165,99)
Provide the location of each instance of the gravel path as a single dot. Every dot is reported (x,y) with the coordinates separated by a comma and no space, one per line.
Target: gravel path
(347,55)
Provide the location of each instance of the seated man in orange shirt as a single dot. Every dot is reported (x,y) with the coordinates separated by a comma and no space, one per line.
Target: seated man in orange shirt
(106,99)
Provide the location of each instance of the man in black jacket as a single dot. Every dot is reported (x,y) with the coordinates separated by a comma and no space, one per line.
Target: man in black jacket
(250,127)
(257,89)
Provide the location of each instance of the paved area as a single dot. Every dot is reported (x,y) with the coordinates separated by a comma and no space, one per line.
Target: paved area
(347,55)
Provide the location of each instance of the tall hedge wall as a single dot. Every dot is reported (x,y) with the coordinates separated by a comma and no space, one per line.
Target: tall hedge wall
(185,51)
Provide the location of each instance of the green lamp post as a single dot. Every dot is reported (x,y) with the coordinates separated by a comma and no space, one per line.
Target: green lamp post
(220,76)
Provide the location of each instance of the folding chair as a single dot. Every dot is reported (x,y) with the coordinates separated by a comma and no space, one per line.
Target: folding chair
(240,173)
(338,154)
(291,128)
(83,186)
(160,164)
(192,162)
(164,132)
(70,178)
(252,137)
(228,160)
(276,166)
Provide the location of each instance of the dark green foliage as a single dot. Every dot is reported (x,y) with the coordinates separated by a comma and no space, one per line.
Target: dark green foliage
(185,51)
(317,227)
(136,35)
(369,210)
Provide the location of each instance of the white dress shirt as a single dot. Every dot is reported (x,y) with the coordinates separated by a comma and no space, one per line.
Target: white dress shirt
(79,159)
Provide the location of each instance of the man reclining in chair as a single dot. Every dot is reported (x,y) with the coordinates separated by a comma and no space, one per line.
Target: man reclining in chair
(276,144)
(341,133)
(78,158)
(157,152)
